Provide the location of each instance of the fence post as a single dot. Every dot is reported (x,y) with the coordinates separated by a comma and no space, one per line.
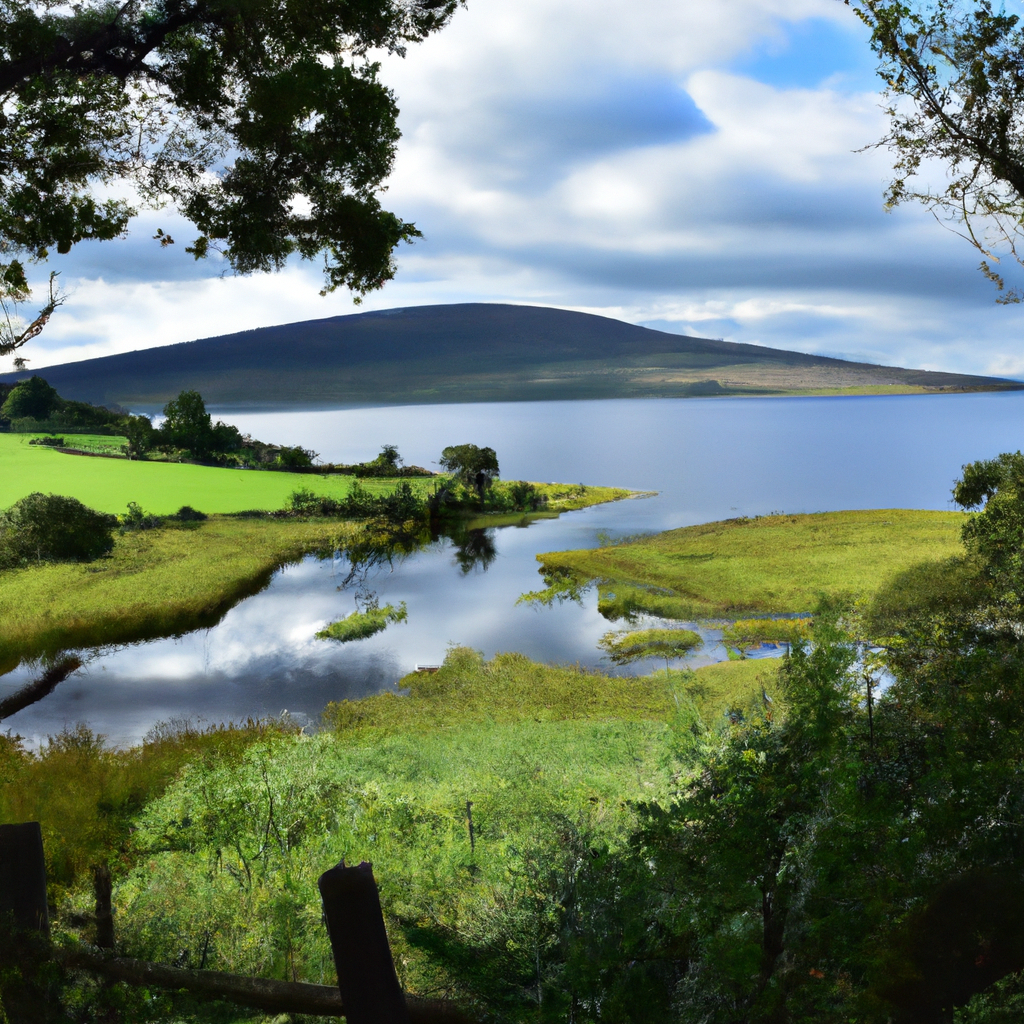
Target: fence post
(369,987)
(23,876)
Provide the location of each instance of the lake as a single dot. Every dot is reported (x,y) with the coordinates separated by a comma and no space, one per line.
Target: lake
(707,459)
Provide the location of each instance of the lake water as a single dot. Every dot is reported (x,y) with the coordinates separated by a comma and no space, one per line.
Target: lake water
(707,459)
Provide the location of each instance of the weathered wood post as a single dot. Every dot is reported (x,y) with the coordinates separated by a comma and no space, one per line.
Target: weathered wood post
(369,986)
(23,876)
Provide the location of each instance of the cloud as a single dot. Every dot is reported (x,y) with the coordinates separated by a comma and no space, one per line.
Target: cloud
(681,162)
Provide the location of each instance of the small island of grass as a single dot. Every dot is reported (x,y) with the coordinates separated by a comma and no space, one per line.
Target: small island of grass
(769,565)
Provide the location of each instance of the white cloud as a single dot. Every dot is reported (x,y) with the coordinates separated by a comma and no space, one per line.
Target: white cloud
(619,158)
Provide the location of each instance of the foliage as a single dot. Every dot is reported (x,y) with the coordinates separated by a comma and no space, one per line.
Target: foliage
(14,293)
(141,436)
(395,508)
(53,528)
(187,425)
(954,81)
(32,398)
(48,442)
(295,458)
(471,465)
(183,104)
(639,644)
(776,564)
(136,518)
(361,624)
(32,405)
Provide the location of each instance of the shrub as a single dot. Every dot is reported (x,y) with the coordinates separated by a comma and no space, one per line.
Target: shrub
(295,458)
(32,398)
(187,514)
(49,442)
(136,518)
(51,527)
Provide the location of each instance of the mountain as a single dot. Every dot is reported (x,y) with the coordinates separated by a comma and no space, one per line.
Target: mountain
(472,352)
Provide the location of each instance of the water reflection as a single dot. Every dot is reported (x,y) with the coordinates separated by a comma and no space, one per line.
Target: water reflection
(709,459)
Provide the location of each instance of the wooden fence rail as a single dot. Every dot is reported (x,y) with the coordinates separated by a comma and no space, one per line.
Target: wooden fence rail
(368,990)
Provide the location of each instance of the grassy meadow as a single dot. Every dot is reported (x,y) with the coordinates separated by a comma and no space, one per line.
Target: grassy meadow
(154,583)
(159,487)
(769,565)
(217,854)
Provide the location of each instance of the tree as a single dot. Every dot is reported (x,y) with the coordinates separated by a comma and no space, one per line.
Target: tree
(50,527)
(263,123)
(954,85)
(187,424)
(14,292)
(473,466)
(32,398)
(141,436)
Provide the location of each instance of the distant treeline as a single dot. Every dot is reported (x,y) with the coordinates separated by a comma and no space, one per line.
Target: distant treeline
(187,434)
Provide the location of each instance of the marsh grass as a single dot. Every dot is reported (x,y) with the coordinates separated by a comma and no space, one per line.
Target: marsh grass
(362,624)
(216,838)
(769,565)
(155,583)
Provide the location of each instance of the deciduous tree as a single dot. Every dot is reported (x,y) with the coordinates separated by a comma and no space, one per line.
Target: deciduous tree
(263,122)
(954,89)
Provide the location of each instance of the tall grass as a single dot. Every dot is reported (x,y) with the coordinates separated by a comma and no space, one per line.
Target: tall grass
(216,839)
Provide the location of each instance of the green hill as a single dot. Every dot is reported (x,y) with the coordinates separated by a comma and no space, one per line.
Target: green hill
(474,352)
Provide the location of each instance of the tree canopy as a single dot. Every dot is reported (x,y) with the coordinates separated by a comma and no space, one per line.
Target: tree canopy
(474,466)
(263,122)
(954,87)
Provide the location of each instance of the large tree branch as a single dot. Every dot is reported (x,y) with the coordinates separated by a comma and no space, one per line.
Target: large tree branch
(110,49)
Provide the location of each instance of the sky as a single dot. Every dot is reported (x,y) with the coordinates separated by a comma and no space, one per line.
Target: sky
(697,166)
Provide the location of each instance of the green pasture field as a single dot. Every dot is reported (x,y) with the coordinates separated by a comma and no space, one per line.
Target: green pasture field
(159,487)
(768,565)
(553,759)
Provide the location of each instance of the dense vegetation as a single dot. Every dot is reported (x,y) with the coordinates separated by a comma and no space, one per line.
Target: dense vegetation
(33,405)
(546,755)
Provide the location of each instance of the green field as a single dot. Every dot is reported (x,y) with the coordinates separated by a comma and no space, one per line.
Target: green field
(159,487)
(768,565)
(550,756)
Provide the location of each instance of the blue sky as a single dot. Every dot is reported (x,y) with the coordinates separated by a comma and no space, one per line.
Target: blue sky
(693,165)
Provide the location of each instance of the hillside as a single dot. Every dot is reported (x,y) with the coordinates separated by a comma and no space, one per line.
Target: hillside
(473,352)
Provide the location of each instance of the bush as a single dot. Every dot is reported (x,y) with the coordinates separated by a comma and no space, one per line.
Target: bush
(33,398)
(136,518)
(295,458)
(53,528)
(49,442)
(187,514)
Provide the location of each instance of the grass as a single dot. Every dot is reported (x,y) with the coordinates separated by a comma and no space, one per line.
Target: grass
(770,565)
(360,625)
(162,487)
(159,487)
(216,852)
(154,583)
